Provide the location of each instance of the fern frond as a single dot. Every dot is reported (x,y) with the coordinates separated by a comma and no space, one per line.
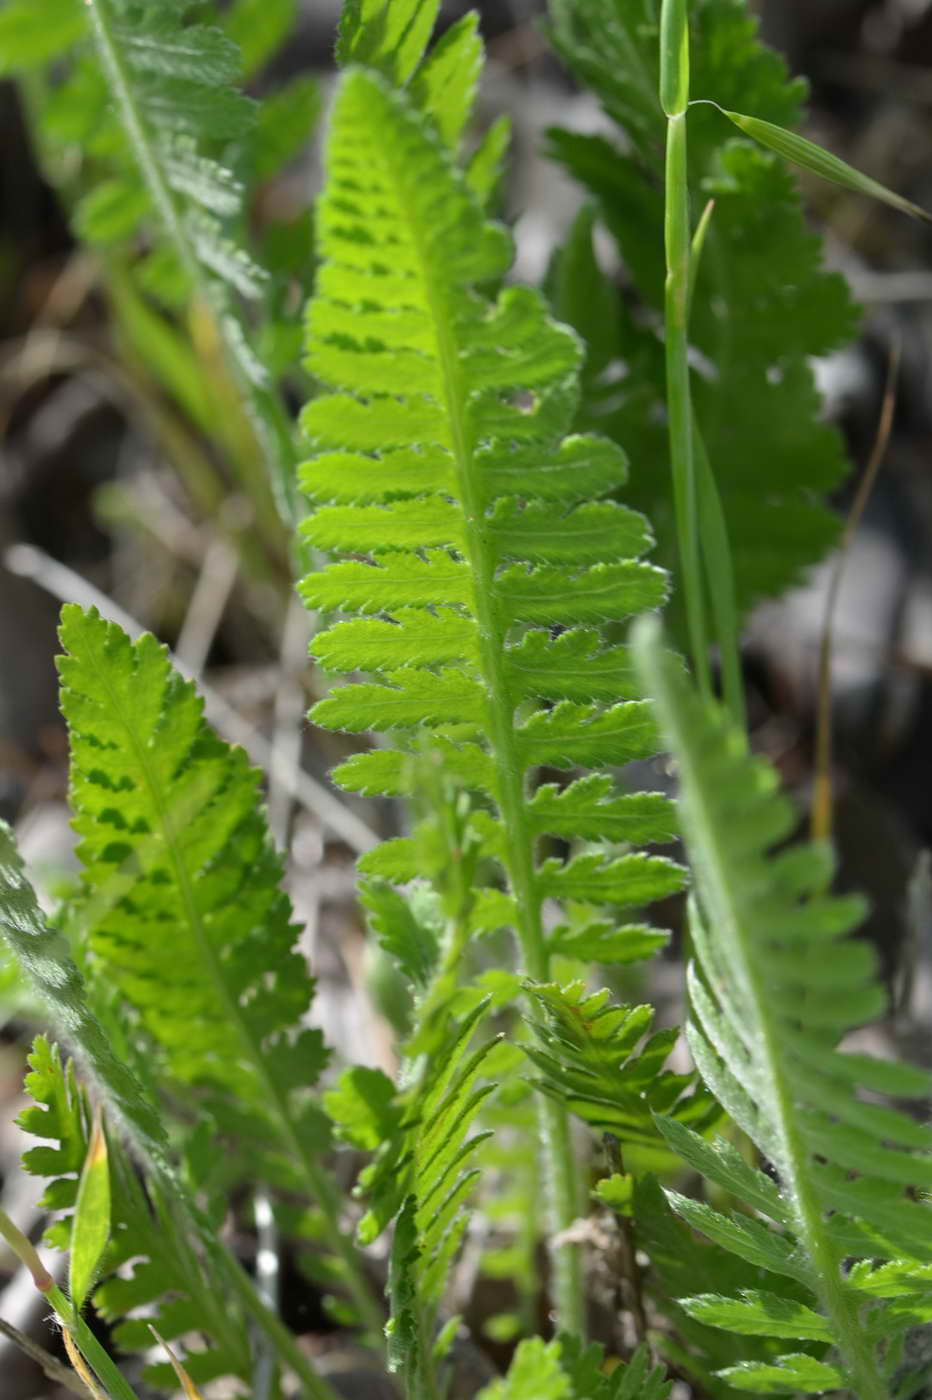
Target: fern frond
(422,1178)
(45,958)
(602,1061)
(777,982)
(440,452)
(464,540)
(150,101)
(182,908)
(764,305)
(164,1228)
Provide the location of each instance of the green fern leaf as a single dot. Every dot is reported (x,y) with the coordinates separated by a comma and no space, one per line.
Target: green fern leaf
(376,644)
(148,98)
(587,1050)
(572,735)
(412,697)
(590,810)
(485,168)
(405,929)
(793,1373)
(764,1033)
(388,35)
(185,851)
(634,879)
(534,1374)
(584,669)
(182,909)
(439,449)
(445,84)
(424,1175)
(45,958)
(764,304)
(181,1271)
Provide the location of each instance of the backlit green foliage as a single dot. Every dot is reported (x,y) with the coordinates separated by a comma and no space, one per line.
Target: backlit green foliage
(468,505)
(182,901)
(484,569)
(166,1277)
(182,912)
(440,452)
(777,982)
(602,1061)
(566,1370)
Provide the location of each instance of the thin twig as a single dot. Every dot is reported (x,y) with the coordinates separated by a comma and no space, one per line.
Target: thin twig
(63,583)
(206,608)
(287,717)
(49,1364)
(821,820)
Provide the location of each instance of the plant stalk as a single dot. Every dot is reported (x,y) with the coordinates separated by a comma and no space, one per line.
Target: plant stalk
(674,98)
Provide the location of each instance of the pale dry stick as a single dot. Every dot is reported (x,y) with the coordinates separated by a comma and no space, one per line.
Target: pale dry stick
(289,710)
(50,1366)
(207,606)
(67,586)
(821,819)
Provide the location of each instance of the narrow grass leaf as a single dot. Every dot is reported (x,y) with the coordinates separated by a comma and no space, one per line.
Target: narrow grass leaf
(91,1228)
(810,156)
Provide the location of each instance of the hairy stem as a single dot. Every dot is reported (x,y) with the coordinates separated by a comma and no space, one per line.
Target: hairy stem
(87,1345)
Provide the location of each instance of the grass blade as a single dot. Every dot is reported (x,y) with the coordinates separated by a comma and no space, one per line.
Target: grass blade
(816,159)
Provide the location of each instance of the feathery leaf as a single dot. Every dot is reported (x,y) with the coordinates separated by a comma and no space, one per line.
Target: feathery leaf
(183,913)
(777,981)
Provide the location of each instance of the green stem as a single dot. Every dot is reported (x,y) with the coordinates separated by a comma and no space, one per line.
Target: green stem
(315,1387)
(674,97)
(264,410)
(104,1368)
(715,546)
(318,1180)
(719,574)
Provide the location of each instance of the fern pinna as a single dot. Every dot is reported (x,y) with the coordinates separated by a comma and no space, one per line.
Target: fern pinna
(439,453)
(839,1229)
